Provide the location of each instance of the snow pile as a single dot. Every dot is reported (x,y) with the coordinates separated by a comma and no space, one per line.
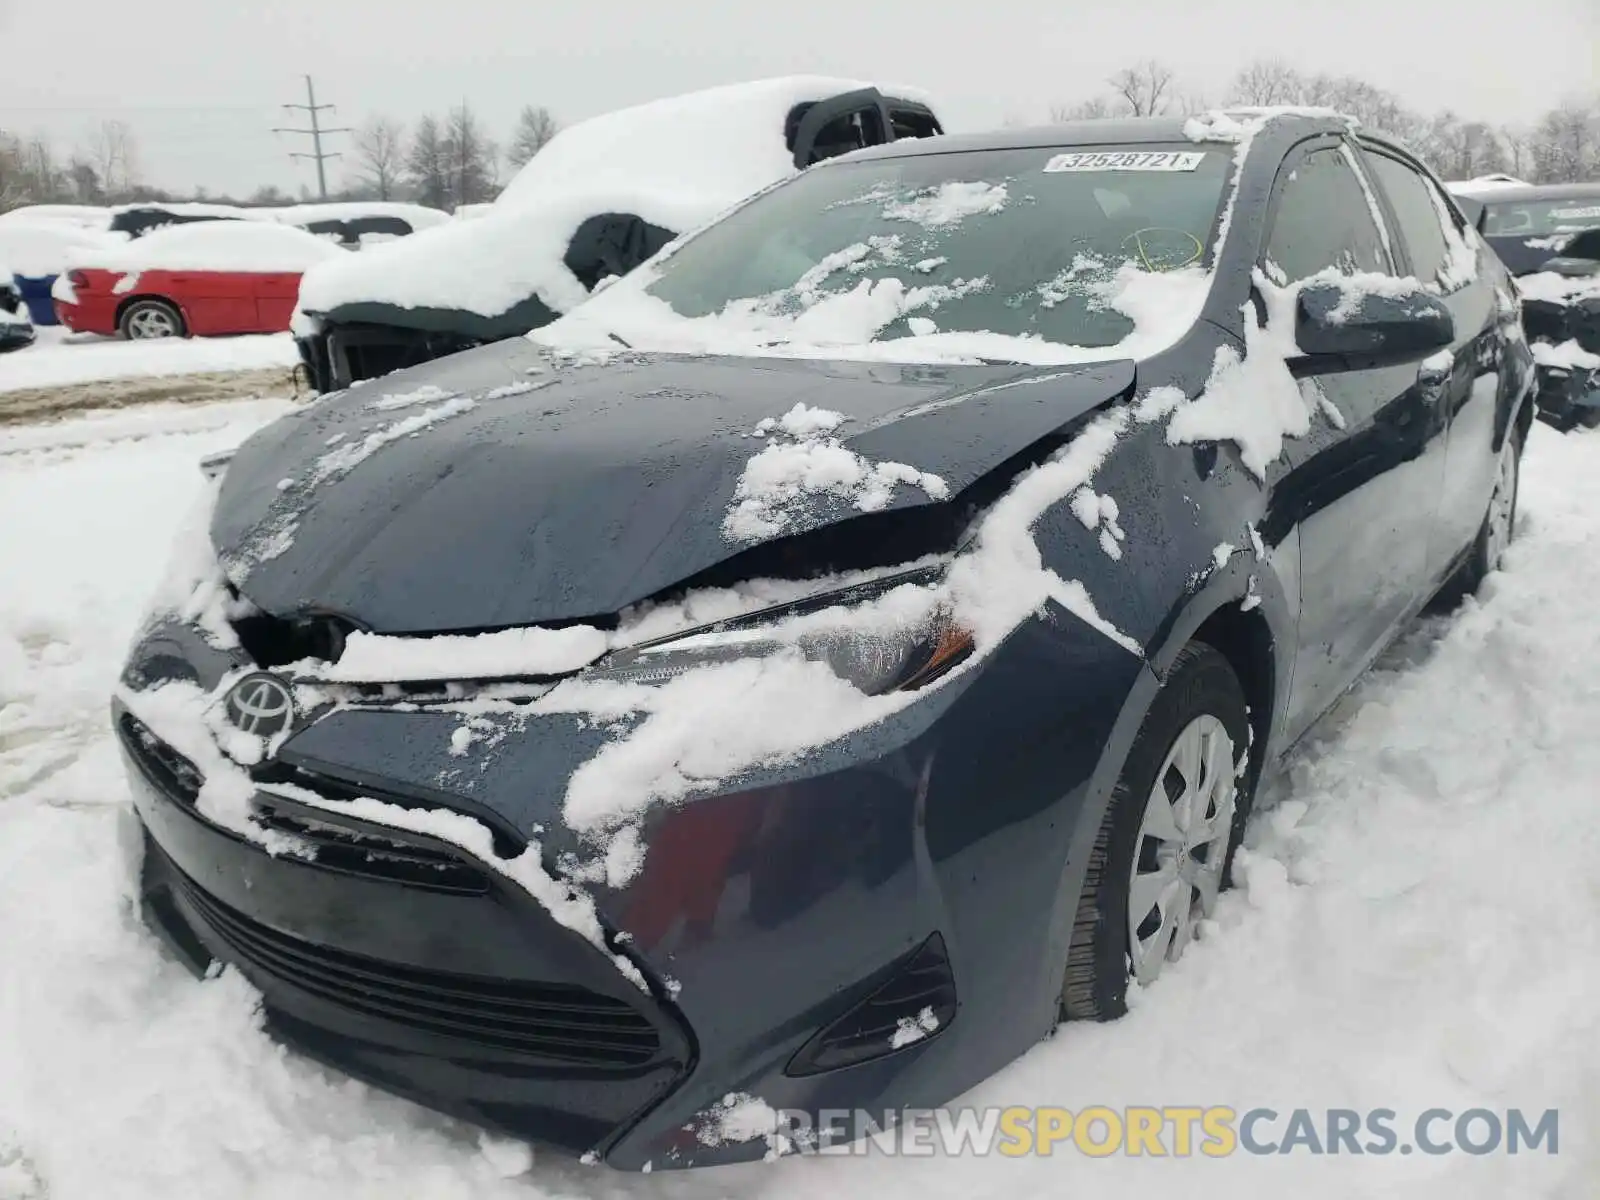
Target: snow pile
(676,163)
(74,361)
(214,246)
(780,481)
(1568,355)
(34,249)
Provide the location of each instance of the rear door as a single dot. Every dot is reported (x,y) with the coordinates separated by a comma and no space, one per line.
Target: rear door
(1364,482)
(1470,391)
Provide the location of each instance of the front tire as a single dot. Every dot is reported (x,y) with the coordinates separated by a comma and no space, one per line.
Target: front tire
(145,319)
(1165,847)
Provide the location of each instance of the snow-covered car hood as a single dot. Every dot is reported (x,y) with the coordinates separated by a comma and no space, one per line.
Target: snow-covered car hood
(676,163)
(504,487)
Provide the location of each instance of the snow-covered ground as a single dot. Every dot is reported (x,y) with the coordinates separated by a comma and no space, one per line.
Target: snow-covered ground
(61,358)
(1417,927)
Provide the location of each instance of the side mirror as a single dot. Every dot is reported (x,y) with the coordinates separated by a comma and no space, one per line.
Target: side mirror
(1336,322)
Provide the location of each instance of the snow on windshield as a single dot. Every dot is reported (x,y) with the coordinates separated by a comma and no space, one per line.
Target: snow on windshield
(1012,255)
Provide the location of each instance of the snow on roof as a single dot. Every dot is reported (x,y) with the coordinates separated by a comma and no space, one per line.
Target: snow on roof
(677,163)
(85,216)
(37,248)
(418,216)
(214,246)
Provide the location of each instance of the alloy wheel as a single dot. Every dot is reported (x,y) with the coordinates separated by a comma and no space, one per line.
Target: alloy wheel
(1182,847)
(152,323)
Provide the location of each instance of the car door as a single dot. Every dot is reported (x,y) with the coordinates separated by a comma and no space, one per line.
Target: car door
(1471,388)
(1363,483)
(213,302)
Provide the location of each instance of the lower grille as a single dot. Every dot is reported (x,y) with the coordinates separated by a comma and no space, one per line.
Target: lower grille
(919,987)
(564,1025)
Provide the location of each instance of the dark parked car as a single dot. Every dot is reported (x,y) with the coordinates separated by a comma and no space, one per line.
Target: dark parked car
(1549,237)
(600,199)
(16,330)
(833,654)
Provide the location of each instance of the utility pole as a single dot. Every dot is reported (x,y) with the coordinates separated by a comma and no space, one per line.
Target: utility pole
(312,108)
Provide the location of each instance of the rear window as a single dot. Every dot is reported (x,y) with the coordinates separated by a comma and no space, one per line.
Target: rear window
(1542,218)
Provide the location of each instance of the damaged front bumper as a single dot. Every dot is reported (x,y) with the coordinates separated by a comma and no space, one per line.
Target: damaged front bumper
(785,928)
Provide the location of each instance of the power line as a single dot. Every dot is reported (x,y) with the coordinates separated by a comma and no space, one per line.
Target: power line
(312,108)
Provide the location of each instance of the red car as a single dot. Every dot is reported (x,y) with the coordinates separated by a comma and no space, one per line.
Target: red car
(199,280)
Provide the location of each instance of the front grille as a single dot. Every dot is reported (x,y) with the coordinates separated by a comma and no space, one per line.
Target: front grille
(276,641)
(376,856)
(390,856)
(563,1025)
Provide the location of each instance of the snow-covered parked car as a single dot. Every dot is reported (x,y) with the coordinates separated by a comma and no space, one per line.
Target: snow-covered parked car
(38,250)
(601,198)
(16,330)
(1549,238)
(193,280)
(804,673)
(353,223)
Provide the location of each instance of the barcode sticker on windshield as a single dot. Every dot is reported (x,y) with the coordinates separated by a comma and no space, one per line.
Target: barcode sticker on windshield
(1127,160)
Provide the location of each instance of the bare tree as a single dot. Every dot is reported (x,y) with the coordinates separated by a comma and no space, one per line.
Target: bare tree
(1566,144)
(427,164)
(1144,88)
(1268,82)
(380,155)
(111,149)
(535,128)
(472,157)
(1093,109)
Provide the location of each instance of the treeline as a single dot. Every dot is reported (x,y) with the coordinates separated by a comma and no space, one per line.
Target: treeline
(446,160)
(1563,146)
(443,161)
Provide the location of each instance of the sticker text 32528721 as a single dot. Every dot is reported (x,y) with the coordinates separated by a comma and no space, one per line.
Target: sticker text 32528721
(1127,160)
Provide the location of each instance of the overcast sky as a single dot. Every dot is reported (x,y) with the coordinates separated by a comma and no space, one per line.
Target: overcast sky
(200,80)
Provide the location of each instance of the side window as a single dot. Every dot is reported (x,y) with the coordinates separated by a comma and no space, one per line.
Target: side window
(913,123)
(1411,198)
(1323,220)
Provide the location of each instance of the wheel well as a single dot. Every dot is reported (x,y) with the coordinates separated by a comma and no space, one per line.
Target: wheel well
(1244,638)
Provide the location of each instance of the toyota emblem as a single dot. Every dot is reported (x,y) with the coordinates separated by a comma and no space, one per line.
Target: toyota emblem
(260,704)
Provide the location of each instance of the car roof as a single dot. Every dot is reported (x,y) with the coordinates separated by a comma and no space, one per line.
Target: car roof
(1112,131)
(1511,194)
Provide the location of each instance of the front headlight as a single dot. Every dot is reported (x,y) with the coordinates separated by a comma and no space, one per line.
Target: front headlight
(878,657)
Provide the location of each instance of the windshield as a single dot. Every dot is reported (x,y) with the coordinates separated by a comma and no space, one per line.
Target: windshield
(1542,218)
(985,252)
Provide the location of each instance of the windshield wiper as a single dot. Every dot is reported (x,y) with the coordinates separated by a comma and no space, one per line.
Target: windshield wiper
(618,340)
